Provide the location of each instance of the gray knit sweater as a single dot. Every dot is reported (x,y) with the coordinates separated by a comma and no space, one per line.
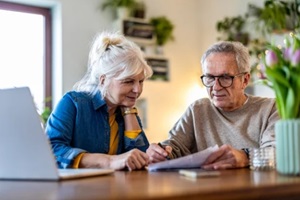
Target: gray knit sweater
(203,125)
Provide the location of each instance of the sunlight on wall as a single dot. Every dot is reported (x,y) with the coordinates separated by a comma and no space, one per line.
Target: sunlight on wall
(195,92)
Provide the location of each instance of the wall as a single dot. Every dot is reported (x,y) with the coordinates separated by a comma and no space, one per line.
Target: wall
(194,22)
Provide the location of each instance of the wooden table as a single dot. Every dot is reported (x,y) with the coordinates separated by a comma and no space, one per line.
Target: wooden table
(231,185)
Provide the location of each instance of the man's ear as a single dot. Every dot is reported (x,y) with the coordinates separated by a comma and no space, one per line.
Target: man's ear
(246,81)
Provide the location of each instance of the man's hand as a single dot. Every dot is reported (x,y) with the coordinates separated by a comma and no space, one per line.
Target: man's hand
(157,154)
(226,157)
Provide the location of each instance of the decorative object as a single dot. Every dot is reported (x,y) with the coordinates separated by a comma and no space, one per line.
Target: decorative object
(288,146)
(262,158)
(139,10)
(138,30)
(160,67)
(121,8)
(282,68)
(163,29)
(232,29)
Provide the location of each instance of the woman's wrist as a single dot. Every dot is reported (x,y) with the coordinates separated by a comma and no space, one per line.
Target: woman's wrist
(128,111)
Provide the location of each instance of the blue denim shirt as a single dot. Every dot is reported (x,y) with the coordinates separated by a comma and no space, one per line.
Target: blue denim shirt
(80,123)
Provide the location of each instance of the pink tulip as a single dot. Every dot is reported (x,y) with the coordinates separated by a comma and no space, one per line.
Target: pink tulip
(271,58)
(295,58)
(287,53)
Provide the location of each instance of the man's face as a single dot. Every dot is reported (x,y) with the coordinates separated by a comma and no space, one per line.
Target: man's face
(229,98)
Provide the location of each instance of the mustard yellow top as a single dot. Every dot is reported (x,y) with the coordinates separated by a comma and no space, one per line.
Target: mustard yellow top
(114,139)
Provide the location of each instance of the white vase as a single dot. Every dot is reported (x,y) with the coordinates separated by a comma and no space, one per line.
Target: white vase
(159,50)
(287,134)
(122,13)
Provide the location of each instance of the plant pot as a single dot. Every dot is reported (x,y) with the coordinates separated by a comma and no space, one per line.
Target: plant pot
(122,13)
(159,50)
(287,134)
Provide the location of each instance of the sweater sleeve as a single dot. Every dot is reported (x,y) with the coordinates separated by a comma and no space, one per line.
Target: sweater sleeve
(268,135)
(181,136)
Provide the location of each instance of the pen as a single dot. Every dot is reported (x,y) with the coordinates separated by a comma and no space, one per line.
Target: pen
(159,144)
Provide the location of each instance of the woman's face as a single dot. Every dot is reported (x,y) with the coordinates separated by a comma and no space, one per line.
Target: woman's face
(125,92)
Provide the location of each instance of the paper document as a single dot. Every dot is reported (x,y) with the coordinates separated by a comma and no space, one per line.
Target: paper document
(190,161)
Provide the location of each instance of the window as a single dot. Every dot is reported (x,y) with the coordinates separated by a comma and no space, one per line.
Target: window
(25,50)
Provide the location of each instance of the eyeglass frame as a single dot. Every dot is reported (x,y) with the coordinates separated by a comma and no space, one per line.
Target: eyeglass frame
(224,75)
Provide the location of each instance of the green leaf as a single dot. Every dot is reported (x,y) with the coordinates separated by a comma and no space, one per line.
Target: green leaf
(280,92)
(277,75)
(290,111)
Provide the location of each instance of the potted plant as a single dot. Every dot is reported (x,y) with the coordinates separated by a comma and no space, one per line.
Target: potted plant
(276,16)
(232,29)
(139,10)
(163,29)
(122,8)
(282,68)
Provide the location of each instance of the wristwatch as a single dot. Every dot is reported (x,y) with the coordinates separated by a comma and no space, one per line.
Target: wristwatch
(247,151)
(130,111)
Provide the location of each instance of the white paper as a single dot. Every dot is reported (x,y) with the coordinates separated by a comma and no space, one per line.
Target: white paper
(190,161)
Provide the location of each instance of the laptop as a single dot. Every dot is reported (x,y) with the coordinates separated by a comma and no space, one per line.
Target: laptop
(25,151)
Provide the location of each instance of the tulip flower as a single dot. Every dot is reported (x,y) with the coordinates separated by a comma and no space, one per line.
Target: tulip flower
(271,58)
(284,78)
(287,53)
(295,58)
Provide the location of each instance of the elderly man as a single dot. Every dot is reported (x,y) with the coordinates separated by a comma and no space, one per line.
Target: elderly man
(230,118)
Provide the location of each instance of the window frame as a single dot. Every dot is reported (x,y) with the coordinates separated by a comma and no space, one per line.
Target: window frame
(46,12)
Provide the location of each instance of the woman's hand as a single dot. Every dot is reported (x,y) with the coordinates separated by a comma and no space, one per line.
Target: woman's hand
(133,160)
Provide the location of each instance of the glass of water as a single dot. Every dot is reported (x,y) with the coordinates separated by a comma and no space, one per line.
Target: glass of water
(262,158)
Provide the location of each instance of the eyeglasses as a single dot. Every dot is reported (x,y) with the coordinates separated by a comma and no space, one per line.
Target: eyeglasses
(224,80)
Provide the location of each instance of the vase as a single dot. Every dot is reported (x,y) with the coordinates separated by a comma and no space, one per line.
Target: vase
(122,13)
(287,136)
(159,50)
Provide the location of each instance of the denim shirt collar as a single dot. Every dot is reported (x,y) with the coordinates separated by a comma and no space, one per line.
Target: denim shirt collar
(98,101)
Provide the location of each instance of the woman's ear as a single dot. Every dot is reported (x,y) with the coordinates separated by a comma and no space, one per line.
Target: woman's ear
(102,79)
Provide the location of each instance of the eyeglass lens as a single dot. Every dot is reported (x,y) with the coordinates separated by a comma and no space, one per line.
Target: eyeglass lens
(224,81)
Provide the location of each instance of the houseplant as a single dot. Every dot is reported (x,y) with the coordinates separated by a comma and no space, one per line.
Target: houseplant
(122,8)
(163,29)
(232,29)
(276,16)
(282,68)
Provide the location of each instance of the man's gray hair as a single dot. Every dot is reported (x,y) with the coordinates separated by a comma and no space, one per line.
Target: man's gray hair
(240,52)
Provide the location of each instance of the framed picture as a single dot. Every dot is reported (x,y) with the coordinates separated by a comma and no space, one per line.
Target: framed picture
(160,67)
(138,30)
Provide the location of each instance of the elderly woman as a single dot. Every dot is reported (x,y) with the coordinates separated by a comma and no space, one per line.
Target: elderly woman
(96,125)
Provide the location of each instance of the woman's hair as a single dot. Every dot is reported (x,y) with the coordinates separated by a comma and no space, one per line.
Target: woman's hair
(240,52)
(112,56)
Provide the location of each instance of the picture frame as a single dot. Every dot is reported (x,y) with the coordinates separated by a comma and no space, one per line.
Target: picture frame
(138,30)
(160,67)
